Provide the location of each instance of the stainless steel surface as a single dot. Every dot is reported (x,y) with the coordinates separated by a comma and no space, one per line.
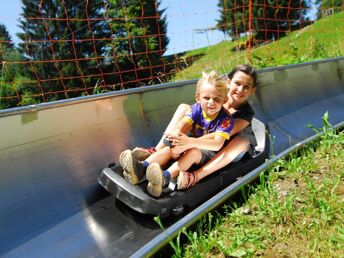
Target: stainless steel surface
(102,230)
(51,154)
(170,233)
(292,97)
(50,157)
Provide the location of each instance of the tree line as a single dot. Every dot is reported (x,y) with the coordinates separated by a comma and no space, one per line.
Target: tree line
(73,48)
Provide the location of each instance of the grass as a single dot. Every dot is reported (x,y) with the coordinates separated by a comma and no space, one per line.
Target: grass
(297,210)
(323,39)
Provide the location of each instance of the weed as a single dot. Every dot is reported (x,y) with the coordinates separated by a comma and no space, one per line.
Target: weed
(296,210)
(176,246)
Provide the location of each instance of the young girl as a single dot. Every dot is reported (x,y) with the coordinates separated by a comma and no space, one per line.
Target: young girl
(243,80)
(207,118)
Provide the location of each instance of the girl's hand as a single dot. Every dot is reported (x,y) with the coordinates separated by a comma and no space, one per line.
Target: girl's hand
(173,134)
(182,140)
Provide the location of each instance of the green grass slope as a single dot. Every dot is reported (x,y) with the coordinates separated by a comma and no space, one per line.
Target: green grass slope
(297,210)
(323,39)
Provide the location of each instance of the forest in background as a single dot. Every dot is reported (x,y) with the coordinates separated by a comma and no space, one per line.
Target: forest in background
(70,49)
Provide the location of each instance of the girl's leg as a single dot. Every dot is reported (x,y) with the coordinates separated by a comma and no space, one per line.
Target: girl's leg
(161,156)
(159,179)
(190,157)
(234,148)
(134,171)
(178,114)
(230,152)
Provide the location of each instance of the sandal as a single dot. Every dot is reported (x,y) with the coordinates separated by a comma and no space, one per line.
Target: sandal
(186,179)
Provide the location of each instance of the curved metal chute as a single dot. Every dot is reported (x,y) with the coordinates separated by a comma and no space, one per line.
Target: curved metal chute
(52,153)
(170,233)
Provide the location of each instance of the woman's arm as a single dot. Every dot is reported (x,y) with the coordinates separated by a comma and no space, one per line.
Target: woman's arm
(213,143)
(239,124)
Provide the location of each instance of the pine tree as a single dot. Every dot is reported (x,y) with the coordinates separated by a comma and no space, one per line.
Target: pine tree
(6,45)
(5,38)
(271,19)
(139,40)
(7,49)
(64,41)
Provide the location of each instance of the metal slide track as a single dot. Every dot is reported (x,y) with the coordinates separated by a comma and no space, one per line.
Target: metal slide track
(51,154)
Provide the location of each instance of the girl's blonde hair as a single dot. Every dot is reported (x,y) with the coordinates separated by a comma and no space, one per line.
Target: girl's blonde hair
(219,82)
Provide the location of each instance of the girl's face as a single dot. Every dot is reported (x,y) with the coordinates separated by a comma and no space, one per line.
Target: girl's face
(240,87)
(211,99)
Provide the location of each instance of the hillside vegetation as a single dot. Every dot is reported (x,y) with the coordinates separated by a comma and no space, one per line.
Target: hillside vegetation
(297,209)
(323,39)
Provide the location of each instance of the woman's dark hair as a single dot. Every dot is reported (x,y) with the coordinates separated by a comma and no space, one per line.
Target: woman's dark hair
(245,68)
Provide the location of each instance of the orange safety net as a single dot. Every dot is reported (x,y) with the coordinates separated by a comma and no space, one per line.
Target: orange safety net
(68,49)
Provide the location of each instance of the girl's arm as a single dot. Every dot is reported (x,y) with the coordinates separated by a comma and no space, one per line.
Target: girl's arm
(239,124)
(214,143)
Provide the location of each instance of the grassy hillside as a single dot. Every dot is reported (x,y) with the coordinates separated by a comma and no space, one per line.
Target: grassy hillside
(323,39)
(296,211)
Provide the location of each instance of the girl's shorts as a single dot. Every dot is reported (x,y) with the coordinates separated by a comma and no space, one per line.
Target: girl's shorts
(208,155)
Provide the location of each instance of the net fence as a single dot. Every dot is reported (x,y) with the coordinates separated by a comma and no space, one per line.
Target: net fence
(67,49)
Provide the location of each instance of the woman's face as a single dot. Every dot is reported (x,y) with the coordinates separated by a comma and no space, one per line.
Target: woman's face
(240,87)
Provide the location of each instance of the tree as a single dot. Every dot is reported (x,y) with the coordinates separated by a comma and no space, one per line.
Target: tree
(6,45)
(271,19)
(5,38)
(139,40)
(63,45)
(8,54)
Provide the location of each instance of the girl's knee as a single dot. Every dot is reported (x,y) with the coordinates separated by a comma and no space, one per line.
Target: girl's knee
(192,151)
(167,151)
(174,155)
(184,108)
(190,157)
(194,154)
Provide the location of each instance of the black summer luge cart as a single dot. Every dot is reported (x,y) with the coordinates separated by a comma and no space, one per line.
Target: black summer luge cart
(175,202)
